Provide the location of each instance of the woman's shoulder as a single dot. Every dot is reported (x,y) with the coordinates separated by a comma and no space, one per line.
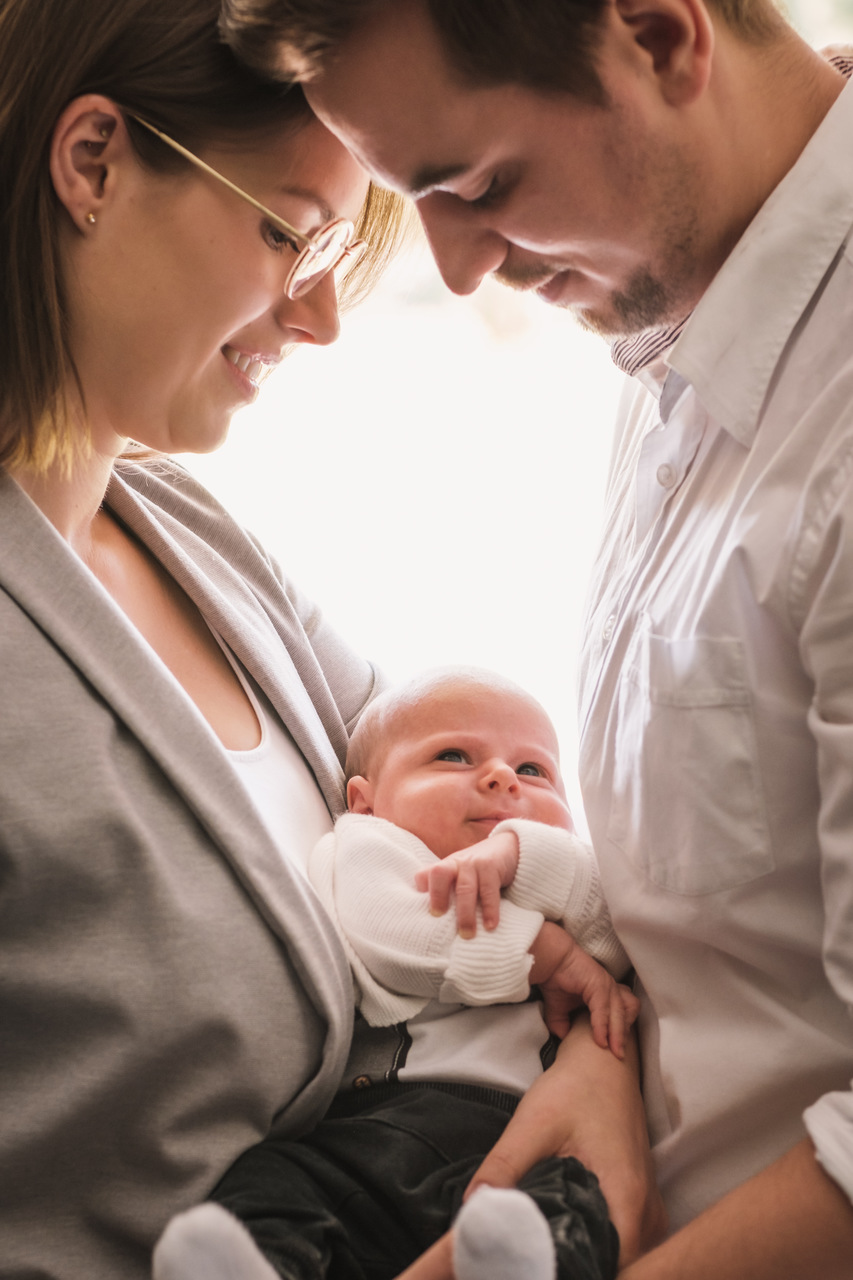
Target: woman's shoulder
(181,505)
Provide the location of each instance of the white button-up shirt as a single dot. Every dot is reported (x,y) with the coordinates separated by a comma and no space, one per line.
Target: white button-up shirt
(717,698)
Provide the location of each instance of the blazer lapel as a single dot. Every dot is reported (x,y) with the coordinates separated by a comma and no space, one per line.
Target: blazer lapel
(269,641)
(40,572)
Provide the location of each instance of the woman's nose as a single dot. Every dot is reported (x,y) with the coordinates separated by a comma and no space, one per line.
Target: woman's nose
(312,317)
(464,248)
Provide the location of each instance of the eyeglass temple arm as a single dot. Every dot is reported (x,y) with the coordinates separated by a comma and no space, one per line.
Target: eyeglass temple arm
(220,177)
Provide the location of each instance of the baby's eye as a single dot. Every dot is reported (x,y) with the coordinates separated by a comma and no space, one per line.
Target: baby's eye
(452,756)
(277,239)
(530,770)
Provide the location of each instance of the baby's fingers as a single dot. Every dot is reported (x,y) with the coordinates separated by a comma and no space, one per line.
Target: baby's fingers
(438,882)
(601,1017)
(619,1023)
(557,1010)
(489,894)
(630,1004)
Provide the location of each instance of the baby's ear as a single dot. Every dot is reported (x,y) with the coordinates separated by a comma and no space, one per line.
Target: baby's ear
(359,795)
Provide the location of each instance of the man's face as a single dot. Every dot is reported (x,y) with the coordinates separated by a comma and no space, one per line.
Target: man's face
(590,206)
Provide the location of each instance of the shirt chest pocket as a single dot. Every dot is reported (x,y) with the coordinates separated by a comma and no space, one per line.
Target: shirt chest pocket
(687,806)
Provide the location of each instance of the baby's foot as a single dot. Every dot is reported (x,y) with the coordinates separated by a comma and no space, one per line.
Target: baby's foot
(207,1243)
(501,1234)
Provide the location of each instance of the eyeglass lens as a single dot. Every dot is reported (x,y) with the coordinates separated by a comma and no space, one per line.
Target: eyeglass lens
(319,257)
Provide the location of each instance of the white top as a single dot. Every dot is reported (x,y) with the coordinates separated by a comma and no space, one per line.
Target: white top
(279,782)
(717,698)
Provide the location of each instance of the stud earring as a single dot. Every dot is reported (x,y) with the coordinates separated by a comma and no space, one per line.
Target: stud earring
(90,218)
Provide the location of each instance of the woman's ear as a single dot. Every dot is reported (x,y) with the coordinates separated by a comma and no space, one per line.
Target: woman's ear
(89,137)
(359,795)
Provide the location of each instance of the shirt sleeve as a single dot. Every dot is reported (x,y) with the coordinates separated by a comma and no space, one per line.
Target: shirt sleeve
(821,604)
(401,956)
(558,875)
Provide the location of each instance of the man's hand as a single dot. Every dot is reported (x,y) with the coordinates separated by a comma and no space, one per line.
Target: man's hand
(478,874)
(587,1105)
(568,977)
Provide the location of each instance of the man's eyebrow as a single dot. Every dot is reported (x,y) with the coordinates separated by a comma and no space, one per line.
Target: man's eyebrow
(327,213)
(432,176)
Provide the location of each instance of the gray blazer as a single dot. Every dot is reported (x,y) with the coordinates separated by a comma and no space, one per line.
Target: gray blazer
(169,988)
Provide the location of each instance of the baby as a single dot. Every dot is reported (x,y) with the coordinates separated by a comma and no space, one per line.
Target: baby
(453,785)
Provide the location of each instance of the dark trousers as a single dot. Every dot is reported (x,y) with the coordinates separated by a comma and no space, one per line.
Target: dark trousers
(364,1194)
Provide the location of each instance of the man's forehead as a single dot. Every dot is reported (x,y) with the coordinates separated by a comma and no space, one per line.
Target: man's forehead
(390,94)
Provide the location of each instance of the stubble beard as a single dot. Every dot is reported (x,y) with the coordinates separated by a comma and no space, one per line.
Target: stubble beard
(665,289)
(645,303)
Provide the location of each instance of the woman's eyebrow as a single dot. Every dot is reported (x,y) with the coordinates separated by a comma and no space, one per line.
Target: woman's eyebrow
(304,193)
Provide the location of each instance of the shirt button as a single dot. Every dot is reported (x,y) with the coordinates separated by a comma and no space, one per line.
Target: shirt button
(607,629)
(666,475)
(362,1082)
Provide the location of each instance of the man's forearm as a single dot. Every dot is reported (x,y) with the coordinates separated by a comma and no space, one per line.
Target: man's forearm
(790,1222)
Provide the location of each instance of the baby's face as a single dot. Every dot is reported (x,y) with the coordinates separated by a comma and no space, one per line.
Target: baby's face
(467,759)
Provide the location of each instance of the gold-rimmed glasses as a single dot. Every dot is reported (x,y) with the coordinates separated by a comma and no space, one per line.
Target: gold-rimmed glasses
(322,252)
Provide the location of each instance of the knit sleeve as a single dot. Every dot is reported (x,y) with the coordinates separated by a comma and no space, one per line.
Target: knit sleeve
(558,875)
(401,956)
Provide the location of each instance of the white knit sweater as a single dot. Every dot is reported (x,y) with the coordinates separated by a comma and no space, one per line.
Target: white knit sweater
(403,958)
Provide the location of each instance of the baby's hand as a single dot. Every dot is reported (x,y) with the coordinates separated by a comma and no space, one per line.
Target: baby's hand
(567,977)
(478,874)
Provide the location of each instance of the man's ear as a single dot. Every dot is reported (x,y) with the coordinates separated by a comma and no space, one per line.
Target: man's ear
(359,795)
(677,39)
(89,137)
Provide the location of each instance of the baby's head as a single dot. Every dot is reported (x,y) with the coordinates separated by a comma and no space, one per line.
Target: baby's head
(452,753)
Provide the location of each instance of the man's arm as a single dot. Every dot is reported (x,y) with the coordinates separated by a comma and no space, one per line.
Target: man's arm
(588,1105)
(790,1222)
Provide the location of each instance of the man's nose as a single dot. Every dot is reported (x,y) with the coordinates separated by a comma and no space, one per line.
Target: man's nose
(465,248)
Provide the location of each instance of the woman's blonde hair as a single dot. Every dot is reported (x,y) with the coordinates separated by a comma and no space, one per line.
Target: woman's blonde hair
(165,61)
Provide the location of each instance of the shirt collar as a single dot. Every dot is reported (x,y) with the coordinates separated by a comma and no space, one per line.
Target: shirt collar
(766,282)
(769,279)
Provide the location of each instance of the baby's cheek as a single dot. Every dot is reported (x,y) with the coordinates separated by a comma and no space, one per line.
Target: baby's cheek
(553,811)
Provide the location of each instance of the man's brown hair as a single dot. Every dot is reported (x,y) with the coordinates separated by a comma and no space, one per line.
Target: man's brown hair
(539,44)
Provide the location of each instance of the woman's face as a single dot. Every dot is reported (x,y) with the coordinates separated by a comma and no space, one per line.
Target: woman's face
(179,278)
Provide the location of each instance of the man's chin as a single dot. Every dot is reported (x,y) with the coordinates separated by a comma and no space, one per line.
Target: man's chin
(644,305)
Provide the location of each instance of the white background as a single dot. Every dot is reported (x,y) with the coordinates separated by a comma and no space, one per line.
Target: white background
(435,480)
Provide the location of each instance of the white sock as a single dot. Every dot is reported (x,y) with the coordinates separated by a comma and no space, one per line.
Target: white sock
(501,1234)
(207,1243)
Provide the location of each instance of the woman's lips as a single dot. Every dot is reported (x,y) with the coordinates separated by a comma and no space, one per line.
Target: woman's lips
(255,368)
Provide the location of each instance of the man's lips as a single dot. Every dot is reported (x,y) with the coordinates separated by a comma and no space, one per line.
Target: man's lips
(553,289)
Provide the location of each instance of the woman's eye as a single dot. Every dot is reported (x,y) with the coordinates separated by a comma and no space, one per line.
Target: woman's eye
(453,756)
(531,770)
(277,239)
